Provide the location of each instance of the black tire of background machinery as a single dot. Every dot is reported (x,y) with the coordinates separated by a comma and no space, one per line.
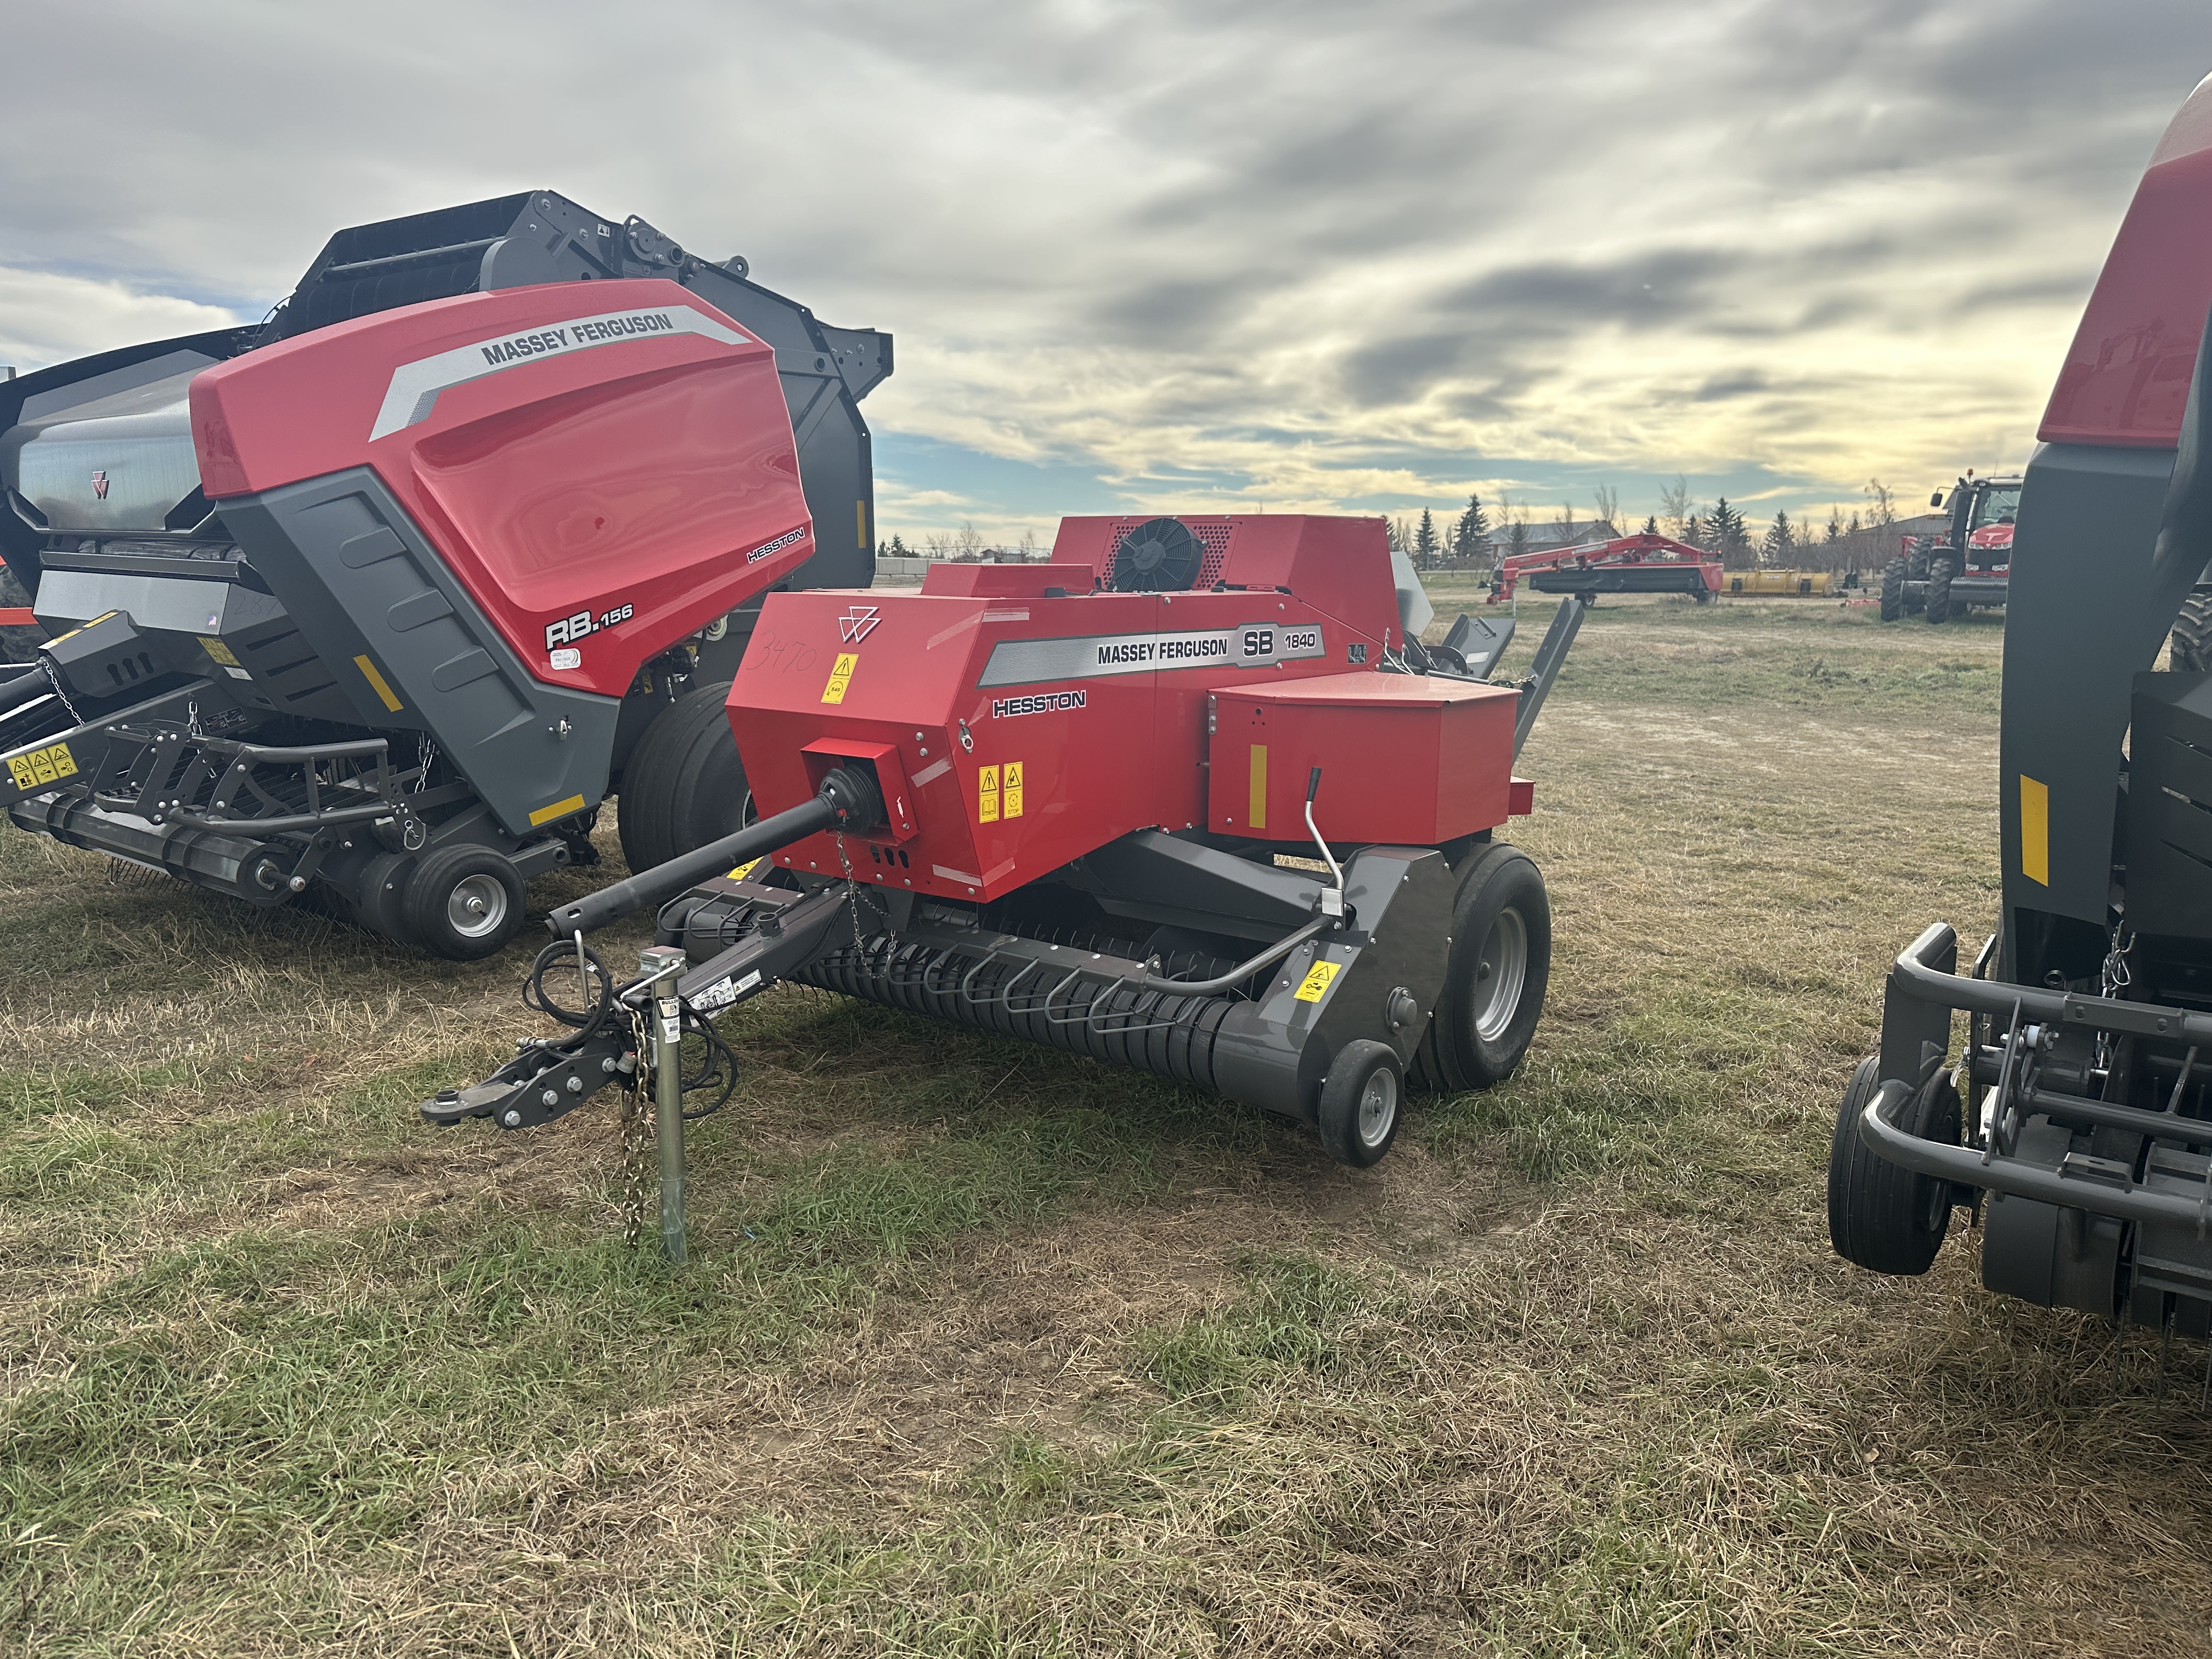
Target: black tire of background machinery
(1875,1208)
(1337,1119)
(2192,636)
(422,900)
(1915,565)
(1940,609)
(1451,1058)
(686,762)
(1893,589)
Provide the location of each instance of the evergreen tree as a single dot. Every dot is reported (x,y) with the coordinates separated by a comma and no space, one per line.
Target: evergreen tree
(898,549)
(1725,533)
(1470,537)
(1425,545)
(1781,539)
(1651,524)
(1693,531)
(1835,524)
(1516,538)
(1853,528)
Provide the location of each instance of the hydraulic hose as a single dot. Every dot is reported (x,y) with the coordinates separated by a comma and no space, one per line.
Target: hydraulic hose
(849,801)
(1244,970)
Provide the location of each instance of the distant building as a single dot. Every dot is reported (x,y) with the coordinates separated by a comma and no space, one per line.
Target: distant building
(1543,538)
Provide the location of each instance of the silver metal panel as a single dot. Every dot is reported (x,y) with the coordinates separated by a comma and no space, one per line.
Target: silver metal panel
(113,471)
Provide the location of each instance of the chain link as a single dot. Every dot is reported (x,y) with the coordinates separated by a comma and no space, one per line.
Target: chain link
(636,1132)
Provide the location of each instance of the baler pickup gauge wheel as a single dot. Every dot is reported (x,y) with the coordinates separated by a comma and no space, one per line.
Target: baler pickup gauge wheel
(463,903)
(1360,1098)
(1884,1218)
(1500,963)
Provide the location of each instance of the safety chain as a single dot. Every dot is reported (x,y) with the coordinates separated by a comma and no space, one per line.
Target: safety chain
(2116,975)
(638,1130)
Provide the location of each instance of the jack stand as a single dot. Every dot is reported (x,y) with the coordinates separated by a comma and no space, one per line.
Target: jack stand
(661,964)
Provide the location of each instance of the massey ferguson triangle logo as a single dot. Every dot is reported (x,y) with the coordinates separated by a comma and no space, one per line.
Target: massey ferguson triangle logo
(99,486)
(857,623)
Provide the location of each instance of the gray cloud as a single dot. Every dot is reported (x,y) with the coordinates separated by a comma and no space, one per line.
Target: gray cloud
(1648,234)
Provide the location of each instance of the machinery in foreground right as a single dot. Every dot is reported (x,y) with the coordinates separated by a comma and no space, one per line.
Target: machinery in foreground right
(2077,1120)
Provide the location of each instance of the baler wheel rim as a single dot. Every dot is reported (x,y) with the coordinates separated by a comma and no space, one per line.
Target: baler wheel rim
(1502,971)
(476,906)
(1378,1107)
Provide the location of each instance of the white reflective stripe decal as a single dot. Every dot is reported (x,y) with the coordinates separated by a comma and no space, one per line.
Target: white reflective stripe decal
(415,386)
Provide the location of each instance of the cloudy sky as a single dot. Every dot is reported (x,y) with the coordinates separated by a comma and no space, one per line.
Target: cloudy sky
(1201,257)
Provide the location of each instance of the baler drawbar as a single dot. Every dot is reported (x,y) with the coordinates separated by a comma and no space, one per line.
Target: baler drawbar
(1191,797)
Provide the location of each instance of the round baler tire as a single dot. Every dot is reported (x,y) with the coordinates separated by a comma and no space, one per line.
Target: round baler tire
(1881,1218)
(1892,590)
(448,882)
(684,784)
(1940,608)
(1362,1100)
(2192,636)
(1470,1043)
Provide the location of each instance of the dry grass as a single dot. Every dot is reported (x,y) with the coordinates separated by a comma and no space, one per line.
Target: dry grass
(986,1351)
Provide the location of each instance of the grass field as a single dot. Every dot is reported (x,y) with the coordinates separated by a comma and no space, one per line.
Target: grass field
(984,1350)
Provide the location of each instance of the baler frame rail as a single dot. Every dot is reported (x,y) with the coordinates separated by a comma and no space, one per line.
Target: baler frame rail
(1922,993)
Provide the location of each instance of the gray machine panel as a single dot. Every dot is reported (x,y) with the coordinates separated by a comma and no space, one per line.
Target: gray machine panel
(362,582)
(2080,620)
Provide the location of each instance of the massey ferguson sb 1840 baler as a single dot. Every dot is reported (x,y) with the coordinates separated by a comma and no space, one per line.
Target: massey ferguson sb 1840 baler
(380,599)
(2082,1138)
(1190,798)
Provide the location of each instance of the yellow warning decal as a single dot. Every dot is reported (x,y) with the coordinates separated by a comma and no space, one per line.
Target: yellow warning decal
(2034,830)
(840,676)
(219,650)
(1314,986)
(986,795)
(41,766)
(745,869)
(1010,792)
(1255,814)
(559,809)
(376,684)
(860,519)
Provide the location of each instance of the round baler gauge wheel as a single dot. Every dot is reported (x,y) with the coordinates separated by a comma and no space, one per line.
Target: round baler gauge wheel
(463,903)
(2192,636)
(684,785)
(1882,1218)
(1495,976)
(1892,590)
(1940,608)
(1359,1103)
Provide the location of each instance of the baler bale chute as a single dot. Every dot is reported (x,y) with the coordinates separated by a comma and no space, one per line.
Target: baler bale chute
(2076,1121)
(376,603)
(1191,797)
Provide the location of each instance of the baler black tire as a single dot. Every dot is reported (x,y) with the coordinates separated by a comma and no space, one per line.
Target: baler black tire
(1881,1218)
(1361,1100)
(1940,608)
(1892,590)
(1915,565)
(1471,1044)
(2192,636)
(684,784)
(446,883)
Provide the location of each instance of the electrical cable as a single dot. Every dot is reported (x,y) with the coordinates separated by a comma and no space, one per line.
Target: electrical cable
(719,1061)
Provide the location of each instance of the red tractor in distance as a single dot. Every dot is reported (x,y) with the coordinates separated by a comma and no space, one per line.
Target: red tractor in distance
(1943,576)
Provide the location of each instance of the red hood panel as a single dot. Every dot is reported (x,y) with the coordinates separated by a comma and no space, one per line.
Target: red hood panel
(605,466)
